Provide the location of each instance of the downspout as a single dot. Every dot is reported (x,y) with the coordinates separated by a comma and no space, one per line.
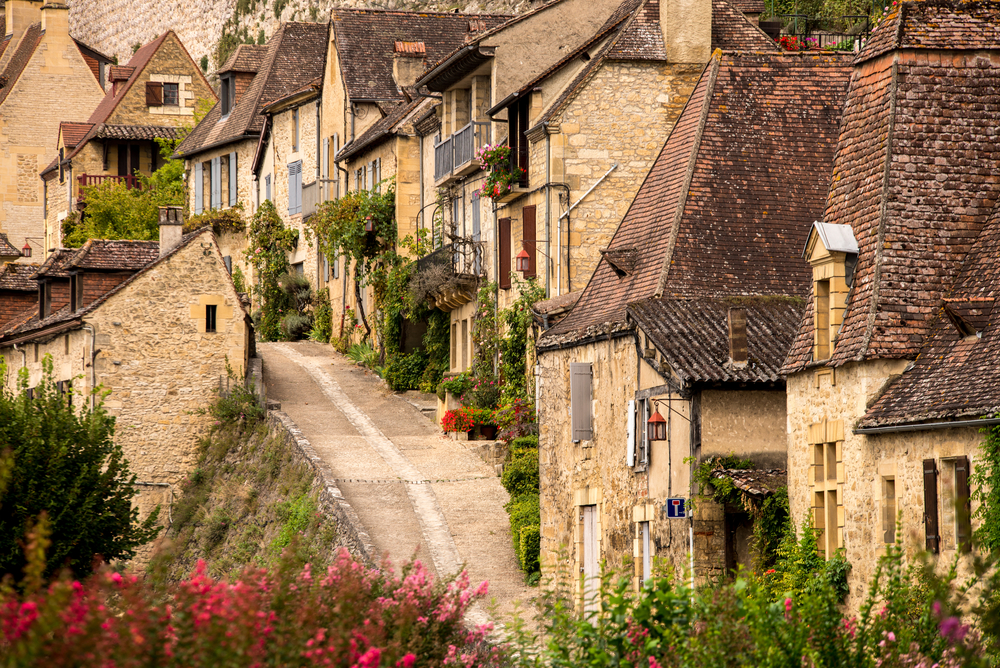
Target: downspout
(559,239)
(343,269)
(352,121)
(319,147)
(24,355)
(420,221)
(548,198)
(93,366)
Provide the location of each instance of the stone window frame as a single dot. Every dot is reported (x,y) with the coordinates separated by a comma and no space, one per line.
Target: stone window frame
(171,94)
(198,312)
(586,496)
(826,452)
(185,95)
(832,273)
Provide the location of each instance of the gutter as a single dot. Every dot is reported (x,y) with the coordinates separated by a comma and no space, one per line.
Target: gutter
(59,329)
(583,341)
(458,56)
(928,426)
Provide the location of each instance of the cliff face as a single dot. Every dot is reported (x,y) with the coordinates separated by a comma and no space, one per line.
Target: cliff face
(115,26)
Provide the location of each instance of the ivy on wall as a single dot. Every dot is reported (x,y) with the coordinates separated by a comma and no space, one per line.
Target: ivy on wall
(268,241)
(986,490)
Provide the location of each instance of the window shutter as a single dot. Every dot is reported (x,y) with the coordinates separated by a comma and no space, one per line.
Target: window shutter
(963,507)
(232,179)
(931,506)
(528,234)
(154,94)
(216,182)
(504,242)
(580,400)
(336,267)
(198,189)
(324,189)
(630,457)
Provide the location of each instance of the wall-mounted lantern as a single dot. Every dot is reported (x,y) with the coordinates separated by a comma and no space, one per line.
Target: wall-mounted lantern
(656,427)
(26,250)
(369,224)
(523,261)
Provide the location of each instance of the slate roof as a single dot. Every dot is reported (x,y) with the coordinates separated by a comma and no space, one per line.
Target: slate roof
(16,276)
(6,248)
(915,179)
(383,129)
(955,376)
(296,55)
(246,58)
(720,212)
(641,39)
(366,41)
(19,60)
(759,483)
(693,336)
(114,255)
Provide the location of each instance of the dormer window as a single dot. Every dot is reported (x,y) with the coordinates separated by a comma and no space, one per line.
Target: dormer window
(227,94)
(76,292)
(833,252)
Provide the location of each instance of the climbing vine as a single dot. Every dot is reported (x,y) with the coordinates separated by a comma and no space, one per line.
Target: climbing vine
(986,491)
(267,243)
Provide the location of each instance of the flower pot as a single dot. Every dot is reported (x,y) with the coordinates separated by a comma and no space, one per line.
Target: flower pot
(488,431)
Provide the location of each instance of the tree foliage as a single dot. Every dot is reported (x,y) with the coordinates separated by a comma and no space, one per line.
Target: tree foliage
(63,462)
(268,241)
(986,490)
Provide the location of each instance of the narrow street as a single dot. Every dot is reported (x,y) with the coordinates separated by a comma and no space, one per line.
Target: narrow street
(417,492)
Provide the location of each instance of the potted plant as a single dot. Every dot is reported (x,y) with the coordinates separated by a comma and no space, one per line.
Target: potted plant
(501,174)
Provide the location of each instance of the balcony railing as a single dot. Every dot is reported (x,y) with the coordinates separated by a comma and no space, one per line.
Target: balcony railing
(86,180)
(448,277)
(457,154)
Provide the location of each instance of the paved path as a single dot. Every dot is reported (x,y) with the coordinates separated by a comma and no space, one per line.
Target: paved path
(417,492)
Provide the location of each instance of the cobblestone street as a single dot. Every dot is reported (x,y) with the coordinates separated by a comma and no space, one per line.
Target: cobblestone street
(415,491)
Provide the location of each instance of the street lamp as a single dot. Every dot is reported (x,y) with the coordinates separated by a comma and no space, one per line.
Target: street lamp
(26,250)
(656,427)
(523,261)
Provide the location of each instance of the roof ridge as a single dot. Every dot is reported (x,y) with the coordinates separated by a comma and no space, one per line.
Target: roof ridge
(713,71)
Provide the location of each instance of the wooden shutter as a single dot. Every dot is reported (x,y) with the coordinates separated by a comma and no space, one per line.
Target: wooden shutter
(267,187)
(198,194)
(232,179)
(325,176)
(123,160)
(963,507)
(154,94)
(580,375)
(504,243)
(528,235)
(931,506)
(216,183)
(630,428)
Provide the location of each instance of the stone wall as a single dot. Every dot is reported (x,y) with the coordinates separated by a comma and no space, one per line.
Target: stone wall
(824,395)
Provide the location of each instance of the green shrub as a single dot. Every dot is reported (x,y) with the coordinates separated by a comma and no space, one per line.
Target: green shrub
(403,371)
(295,326)
(530,548)
(238,403)
(520,475)
(524,512)
(519,445)
(457,386)
(363,353)
(322,328)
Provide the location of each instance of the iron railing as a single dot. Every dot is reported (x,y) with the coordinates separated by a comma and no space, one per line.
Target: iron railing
(459,150)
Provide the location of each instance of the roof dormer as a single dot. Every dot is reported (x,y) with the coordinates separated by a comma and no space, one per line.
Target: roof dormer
(832,251)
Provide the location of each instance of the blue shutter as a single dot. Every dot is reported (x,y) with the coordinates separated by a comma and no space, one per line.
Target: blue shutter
(295,187)
(216,183)
(232,179)
(199,193)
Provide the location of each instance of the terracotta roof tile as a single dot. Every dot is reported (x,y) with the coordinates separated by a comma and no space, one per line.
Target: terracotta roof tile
(382,129)
(916,180)
(750,6)
(366,41)
(17,276)
(120,73)
(296,55)
(765,125)
(693,336)
(115,255)
(7,249)
(73,133)
(19,60)
(135,132)
(55,264)
(732,31)
(641,38)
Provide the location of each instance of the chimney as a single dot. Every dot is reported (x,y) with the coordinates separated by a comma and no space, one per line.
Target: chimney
(21,14)
(687,30)
(171,228)
(55,18)
(738,335)
(408,63)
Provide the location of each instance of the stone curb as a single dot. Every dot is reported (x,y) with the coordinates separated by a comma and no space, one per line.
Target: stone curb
(349,528)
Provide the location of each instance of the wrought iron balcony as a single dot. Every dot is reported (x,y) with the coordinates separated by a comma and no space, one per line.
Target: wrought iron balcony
(456,155)
(448,277)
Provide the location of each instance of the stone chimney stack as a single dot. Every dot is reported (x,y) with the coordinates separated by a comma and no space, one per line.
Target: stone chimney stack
(687,30)
(408,63)
(171,228)
(738,353)
(55,18)
(21,14)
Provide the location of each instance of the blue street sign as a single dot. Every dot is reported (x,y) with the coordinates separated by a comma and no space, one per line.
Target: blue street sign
(676,508)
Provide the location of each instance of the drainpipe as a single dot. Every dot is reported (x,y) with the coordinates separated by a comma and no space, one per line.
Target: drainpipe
(24,355)
(319,140)
(420,222)
(548,198)
(352,121)
(93,367)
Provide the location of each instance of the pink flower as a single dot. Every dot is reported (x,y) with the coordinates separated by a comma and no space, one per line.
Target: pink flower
(788,605)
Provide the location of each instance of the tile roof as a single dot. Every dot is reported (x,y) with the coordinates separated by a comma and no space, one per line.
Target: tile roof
(19,60)
(73,133)
(641,39)
(55,264)
(693,336)
(17,276)
(121,72)
(732,31)
(23,327)
(135,132)
(915,179)
(137,63)
(936,24)
(955,375)
(115,255)
(384,128)
(750,6)
(763,124)
(246,58)
(366,41)
(296,55)
(7,249)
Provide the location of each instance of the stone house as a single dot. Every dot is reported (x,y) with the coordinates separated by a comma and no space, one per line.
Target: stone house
(370,107)
(688,317)
(893,369)
(155,324)
(219,153)
(583,123)
(45,76)
(151,98)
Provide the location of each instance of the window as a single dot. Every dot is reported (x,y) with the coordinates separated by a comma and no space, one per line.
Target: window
(517,118)
(580,400)
(267,187)
(65,389)
(295,187)
(888,510)
(210,313)
(504,242)
(171,95)
(465,344)
(298,269)
(827,441)
(226,95)
(215,174)
(295,130)
(821,301)
(76,292)
(62,167)
(591,559)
